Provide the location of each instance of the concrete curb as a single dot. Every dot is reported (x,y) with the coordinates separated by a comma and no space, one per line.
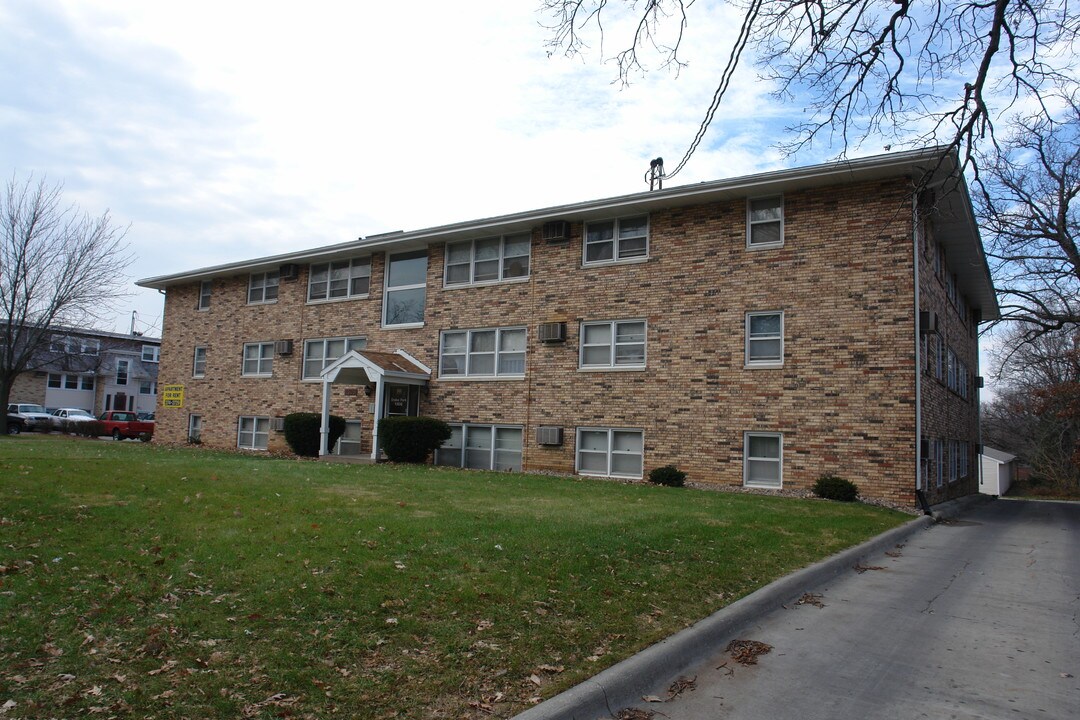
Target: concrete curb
(623,684)
(952,508)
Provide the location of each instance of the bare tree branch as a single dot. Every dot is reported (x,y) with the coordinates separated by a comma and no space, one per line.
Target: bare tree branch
(59,268)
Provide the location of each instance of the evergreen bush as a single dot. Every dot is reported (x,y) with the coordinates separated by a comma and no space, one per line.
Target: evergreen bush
(411,439)
(302,432)
(667,475)
(831,487)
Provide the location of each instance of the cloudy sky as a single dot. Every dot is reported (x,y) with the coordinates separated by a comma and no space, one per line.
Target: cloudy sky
(221,131)
(226,130)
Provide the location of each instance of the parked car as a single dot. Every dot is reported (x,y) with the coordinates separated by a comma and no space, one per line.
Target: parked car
(63,416)
(15,424)
(34,416)
(123,424)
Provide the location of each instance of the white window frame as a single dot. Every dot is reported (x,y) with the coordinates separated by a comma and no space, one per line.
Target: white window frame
(448,452)
(616,241)
(751,223)
(613,346)
(767,363)
(256,421)
(87,382)
(501,260)
(265,285)
(264,365)
(747,458)
(388,290)
(55,381)
(609,452)
(123,370)
(206,289)
(195,361)
(195,426)
(155,353)
(355,269)
(148,387)
(468,354)
(358,341)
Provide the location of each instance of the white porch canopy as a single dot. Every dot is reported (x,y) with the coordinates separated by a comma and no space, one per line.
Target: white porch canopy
(369,367)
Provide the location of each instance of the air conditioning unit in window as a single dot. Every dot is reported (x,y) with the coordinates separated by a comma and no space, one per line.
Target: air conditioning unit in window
(552,332)
(289,271)
(283,347)
(979,381)
(278,424)
(928,322)
(548,435)
(556,231)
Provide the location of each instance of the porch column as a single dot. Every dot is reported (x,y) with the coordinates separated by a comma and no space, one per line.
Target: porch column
(379,391)
(324,427)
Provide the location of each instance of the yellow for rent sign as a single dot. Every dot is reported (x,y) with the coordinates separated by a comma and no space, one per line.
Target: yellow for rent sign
(172,396)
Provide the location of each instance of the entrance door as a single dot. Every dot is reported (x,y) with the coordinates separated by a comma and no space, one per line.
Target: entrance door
(402,400)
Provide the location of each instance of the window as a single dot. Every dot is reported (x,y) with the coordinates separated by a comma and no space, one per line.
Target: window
(86,382)
(488,260)
(205,288)
(406,289)
(121,372)
(610,452)
(151,353)
(954,460)
(939,359)
(482,447)
(765,222)
(401,399)
(263,287)
(148,387)
(496,352)
(198,365)
(74,345)
(616,240)
(349,442)
(71,382)
(319,353)
(339,280)
(765,339)
(258,359)
(763,458)
(56,381)
(253,433)
(194,428)
(616,344)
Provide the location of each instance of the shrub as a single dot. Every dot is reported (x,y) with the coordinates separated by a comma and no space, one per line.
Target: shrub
(831,487)
(668,475)
(302,432)
(91,428)
(411,439)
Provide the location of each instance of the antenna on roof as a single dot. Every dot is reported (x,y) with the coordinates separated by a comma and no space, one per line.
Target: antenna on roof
(655,176)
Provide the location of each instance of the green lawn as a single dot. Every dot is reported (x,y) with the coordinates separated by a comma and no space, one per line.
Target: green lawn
(142,581)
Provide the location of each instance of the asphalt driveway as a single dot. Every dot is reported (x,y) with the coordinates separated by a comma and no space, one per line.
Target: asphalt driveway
(978,617)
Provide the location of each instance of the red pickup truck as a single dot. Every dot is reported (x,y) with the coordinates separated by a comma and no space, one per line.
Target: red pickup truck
(122,424)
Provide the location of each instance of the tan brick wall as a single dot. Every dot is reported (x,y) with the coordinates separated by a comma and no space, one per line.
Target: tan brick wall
(844,399)
(945,414)
(29,387)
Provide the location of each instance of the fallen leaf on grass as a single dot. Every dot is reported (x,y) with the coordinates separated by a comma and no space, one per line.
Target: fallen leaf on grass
(164,668)
(551,668)
(652,698)
(535,680)
(8,705)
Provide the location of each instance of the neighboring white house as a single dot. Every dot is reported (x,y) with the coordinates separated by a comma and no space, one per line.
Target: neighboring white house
(997,469)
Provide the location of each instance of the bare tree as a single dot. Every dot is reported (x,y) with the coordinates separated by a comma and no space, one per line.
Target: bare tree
(1028,210)
(913,73)
(1037,416)
(59,268)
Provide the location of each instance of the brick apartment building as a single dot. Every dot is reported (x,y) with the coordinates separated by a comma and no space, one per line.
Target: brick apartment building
(763,330)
